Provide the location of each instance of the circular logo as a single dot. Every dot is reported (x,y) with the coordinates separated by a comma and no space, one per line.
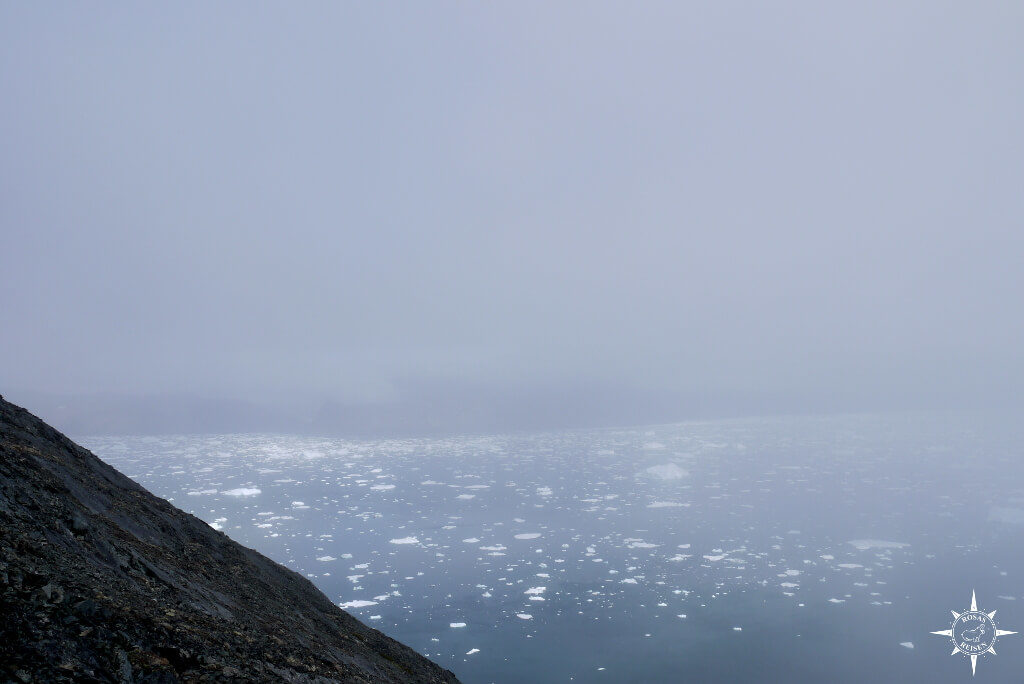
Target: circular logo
(974,632)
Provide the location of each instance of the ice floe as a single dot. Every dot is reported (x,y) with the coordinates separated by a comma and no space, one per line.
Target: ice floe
(667,471)
(242,491)
(405,540)
(866,544)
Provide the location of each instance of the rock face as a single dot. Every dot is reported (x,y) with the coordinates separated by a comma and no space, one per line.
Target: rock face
(100,581)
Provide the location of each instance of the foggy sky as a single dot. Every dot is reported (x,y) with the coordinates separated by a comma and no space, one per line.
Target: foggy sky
(790,205)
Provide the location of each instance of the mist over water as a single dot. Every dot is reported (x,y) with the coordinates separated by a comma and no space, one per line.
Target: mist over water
(755,550)
(384,291)
(453,218)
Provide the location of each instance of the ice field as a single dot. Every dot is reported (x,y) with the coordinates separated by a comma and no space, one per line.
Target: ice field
(758,549)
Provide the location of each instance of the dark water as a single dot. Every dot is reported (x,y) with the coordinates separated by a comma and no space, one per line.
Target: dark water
(711,551)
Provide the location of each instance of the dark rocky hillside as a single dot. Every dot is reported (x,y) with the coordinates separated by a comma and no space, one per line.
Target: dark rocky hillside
(100,581)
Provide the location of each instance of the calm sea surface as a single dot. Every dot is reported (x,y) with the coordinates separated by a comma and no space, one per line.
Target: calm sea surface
(762,550)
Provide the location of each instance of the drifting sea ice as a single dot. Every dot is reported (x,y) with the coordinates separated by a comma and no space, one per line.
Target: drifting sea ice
(241,491)
(406,540)
(425,533)
(866,544)
(667,471)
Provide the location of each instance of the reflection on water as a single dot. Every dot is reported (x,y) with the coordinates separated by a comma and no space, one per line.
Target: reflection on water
(757,550)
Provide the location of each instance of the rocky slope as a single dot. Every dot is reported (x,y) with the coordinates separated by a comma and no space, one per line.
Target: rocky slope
(100,581)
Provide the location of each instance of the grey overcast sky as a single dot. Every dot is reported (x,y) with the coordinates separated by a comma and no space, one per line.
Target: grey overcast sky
(345,200)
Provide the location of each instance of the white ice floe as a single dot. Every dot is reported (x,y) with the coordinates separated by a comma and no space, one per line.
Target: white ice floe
(524,616)
(666,504)
(382,488)
(666,471)
(405,540)
(357,604)
(533,591)
(472,651)
(865,544)
(457,625)
(907,644)
(326,558)
(242,491)
(528,535)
